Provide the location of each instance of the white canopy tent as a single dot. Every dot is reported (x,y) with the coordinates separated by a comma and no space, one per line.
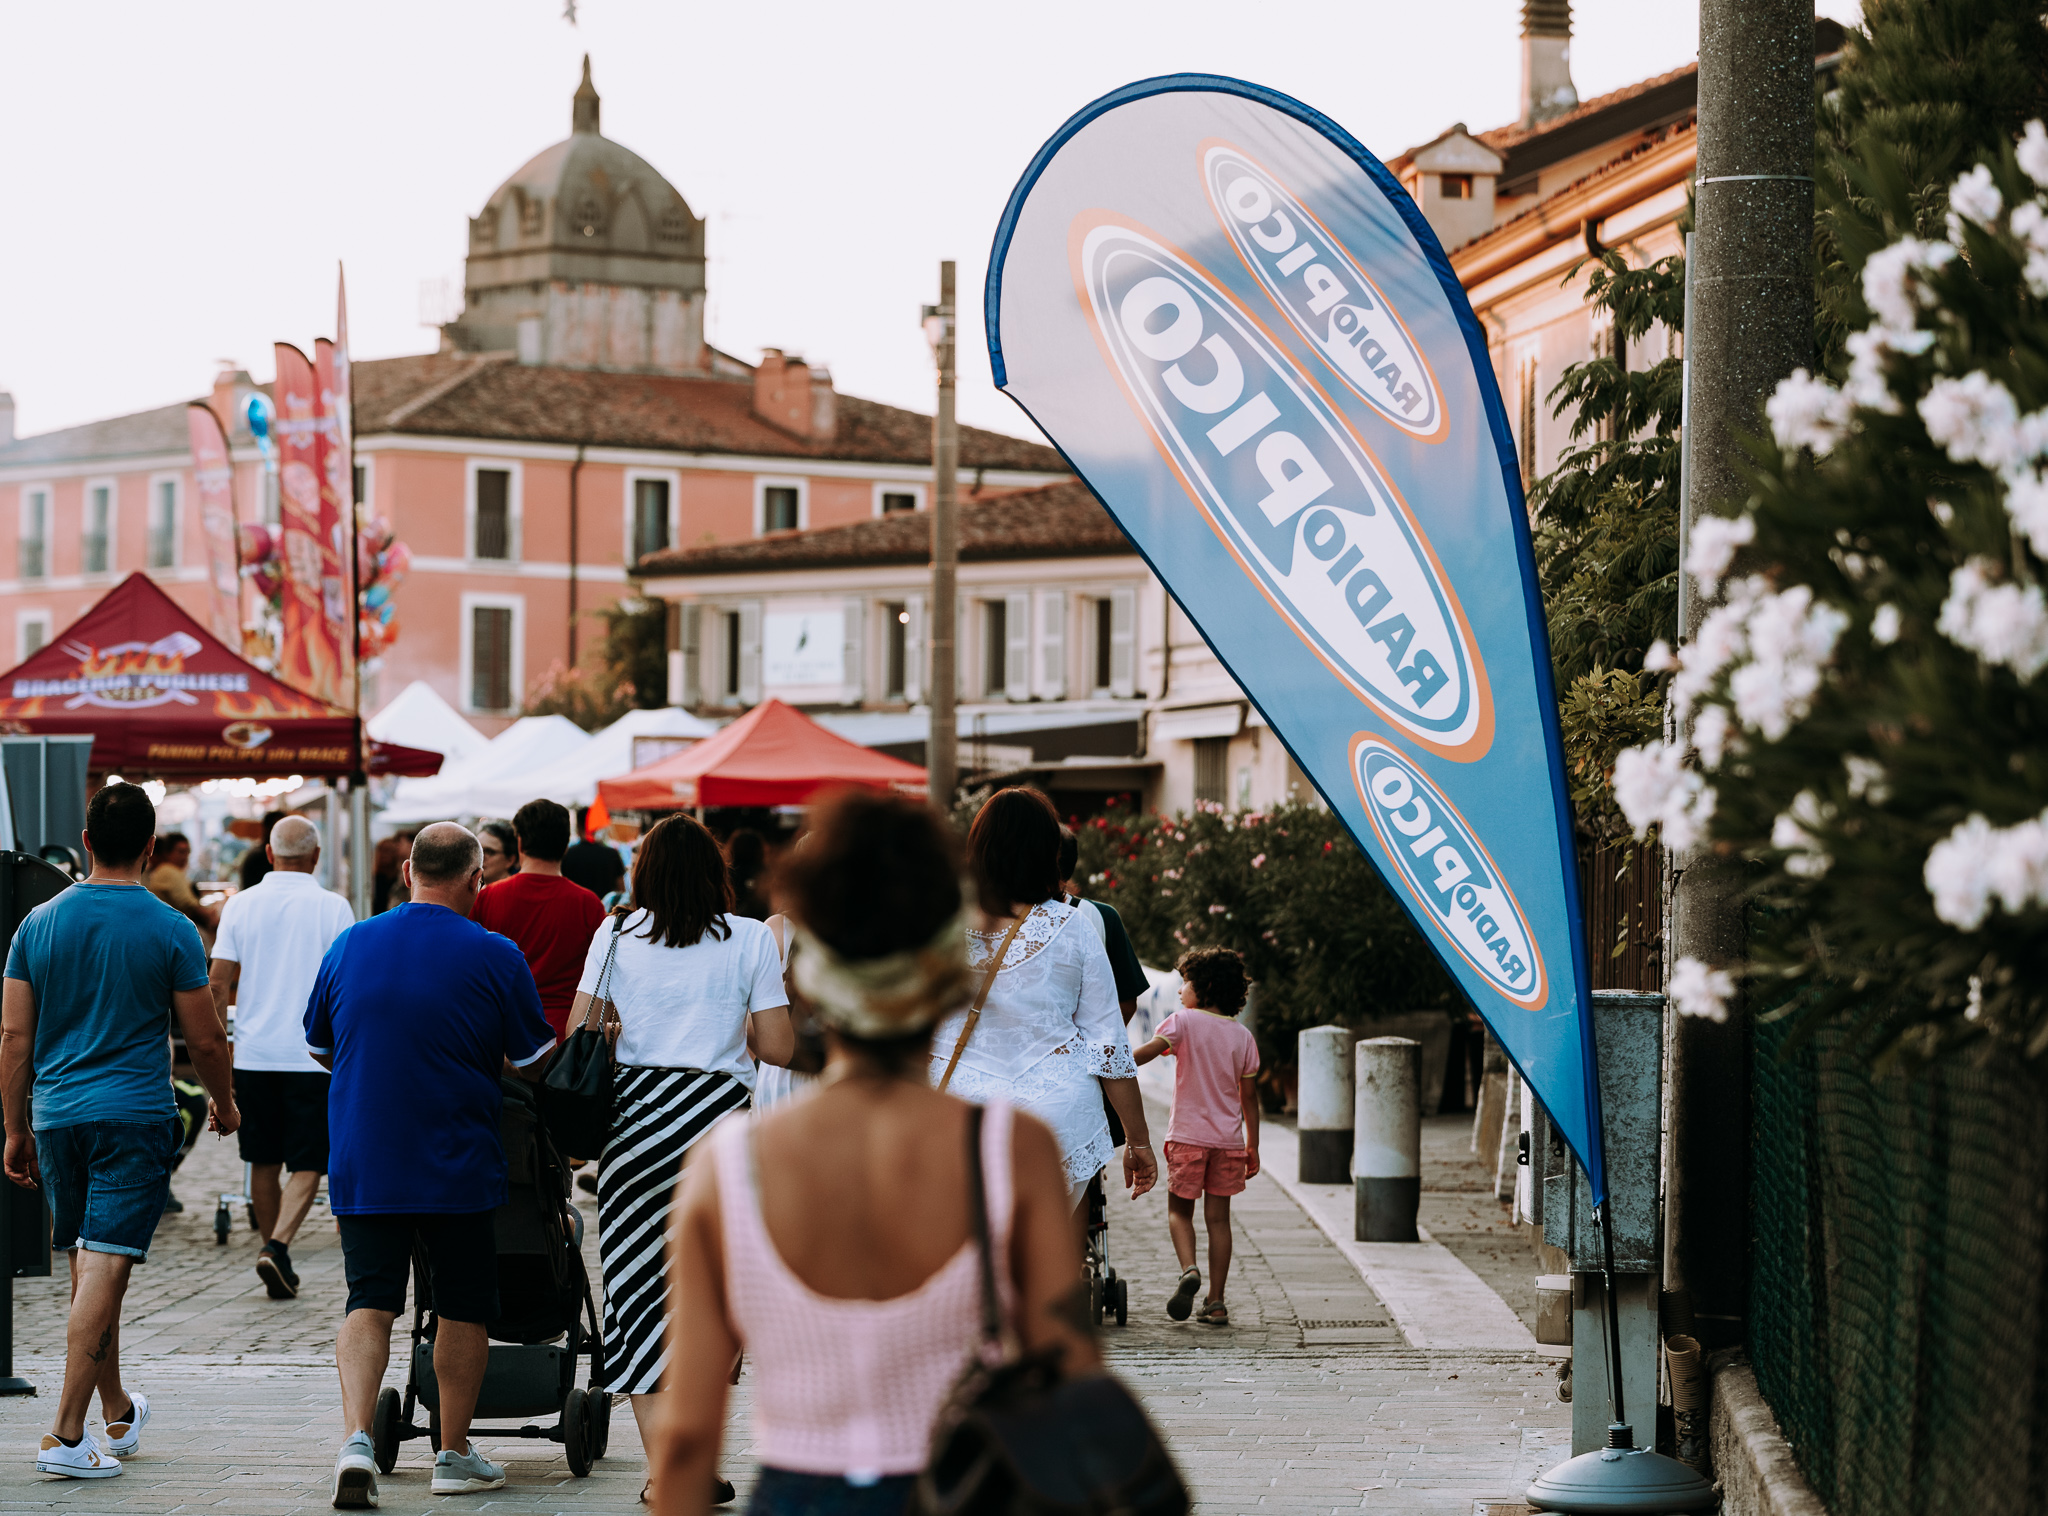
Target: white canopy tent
(572,779)
(528,744)
(418,717)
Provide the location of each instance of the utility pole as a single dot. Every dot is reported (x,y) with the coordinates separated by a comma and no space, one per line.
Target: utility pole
(942,747)
(1751,325)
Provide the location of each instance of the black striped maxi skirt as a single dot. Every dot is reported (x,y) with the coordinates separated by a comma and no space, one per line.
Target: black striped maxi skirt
(658,1115)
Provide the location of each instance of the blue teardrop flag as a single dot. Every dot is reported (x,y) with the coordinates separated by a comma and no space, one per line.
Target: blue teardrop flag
(1241,332)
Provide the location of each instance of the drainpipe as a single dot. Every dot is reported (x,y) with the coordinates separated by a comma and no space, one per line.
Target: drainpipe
(575,469)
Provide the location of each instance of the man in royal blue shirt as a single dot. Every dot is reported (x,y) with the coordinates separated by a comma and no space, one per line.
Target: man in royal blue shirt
(419,1012)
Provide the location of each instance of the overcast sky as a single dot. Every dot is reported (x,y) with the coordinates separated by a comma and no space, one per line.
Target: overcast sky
(180,179)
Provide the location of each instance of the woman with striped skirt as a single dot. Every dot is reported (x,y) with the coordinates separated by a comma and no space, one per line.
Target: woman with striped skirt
(698,996)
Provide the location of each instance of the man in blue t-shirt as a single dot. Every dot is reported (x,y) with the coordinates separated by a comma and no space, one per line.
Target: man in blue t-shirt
(419,1012)
(93,979)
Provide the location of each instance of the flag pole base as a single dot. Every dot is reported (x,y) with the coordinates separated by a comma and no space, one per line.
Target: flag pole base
(13,1384)
(1622,1478)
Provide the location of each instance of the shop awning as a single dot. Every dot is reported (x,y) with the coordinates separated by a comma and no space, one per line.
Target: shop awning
(773,755)
(163,698)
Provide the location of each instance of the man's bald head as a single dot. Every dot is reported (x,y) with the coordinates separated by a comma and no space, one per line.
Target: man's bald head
(444,854)
(295,845)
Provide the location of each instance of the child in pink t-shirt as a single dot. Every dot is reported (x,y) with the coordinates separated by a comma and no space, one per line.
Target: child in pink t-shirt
(1212,1147)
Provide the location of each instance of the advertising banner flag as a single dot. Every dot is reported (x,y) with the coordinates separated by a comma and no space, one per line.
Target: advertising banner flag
(1239,329)
(307,655)
(337,516)
(215,477)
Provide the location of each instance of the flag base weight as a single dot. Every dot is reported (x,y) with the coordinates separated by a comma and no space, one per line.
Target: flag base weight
(13,1384)
(1622,1478)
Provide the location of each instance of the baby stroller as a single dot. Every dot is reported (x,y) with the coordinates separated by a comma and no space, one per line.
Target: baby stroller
(1107,1294)
(547,1319)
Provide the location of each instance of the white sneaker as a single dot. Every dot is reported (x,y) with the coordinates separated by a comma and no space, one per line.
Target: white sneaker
(124,1438)
(466,1473)
(355,1474)
(85,1461)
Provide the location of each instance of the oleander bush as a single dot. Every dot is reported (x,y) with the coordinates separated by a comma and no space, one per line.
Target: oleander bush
(1321,935)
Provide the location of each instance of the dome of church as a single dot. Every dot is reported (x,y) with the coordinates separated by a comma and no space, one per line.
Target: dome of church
(587,197)
(586,257)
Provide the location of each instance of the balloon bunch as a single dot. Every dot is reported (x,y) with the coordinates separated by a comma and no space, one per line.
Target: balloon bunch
(381,564)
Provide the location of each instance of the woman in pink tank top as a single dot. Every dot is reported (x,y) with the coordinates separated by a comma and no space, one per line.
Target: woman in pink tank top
(832,1239)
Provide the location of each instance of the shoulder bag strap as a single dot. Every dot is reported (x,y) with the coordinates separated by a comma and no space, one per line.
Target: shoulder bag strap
(600,1014)
(981,998)
(977,1198)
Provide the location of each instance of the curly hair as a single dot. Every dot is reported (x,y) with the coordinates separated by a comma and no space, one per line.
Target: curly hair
(1217,973)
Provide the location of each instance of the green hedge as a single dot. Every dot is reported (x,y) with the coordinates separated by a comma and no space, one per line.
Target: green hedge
(1288,889)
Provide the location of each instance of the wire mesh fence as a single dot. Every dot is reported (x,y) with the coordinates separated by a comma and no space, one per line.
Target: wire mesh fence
(1897,1320)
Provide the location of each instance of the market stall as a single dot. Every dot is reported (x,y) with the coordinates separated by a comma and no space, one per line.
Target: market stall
(163,698)
(774,755)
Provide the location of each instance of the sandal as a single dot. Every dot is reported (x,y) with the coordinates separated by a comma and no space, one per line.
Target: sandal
(1215,1314)
(1183,1298)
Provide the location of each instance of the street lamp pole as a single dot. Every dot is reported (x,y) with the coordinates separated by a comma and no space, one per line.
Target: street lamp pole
(942,747)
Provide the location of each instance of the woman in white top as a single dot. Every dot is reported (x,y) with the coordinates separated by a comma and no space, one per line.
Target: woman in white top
(1050,1037)
(694,987)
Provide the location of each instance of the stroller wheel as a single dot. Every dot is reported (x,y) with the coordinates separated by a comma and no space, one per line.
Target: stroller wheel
(1095,1300)
(434,1430)
(600,1403)
(223,1223)
(1121,1288)
(384,1430)
(576,1432)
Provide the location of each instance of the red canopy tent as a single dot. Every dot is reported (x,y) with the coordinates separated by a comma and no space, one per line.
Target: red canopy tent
(773,755)
(162,697)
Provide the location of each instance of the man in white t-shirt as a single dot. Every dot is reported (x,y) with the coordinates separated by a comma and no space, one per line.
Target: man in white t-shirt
(265,959)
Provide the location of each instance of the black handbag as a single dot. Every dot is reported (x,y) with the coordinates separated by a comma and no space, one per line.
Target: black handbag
(576,1094)
(1017,1438)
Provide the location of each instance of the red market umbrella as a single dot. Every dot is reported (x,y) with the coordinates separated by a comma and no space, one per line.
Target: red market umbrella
(773,755)
(162,697)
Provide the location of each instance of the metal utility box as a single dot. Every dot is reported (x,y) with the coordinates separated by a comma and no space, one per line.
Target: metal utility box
(1628,1034)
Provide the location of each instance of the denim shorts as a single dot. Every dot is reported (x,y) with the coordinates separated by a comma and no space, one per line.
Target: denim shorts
(107,1182)
(782,1492)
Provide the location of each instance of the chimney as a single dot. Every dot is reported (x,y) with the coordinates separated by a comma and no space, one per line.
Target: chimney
(824,405)
(228,385)
(6,418)
(1546,60)
(782,392)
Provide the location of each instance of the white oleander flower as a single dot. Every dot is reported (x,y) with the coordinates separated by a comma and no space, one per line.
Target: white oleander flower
(1710,736)
(2000,623)
(1697,990)
(1974,1010)
(1712,547)
(1653,787)
(1975,418)
(1790,638)
(1660,659)
(2018,868)
(1867,779)
(1884,626)
(1973,197)
(1892,286)
(1805,858)
(2026,502)
(1807,412)
(2032,153)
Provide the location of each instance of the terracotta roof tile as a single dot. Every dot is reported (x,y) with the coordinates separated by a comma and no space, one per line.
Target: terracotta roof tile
(492,398)
(500,400)
(1058,521)
(1501,138)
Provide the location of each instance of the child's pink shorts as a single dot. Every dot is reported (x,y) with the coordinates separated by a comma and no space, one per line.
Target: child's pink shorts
(1192,1171)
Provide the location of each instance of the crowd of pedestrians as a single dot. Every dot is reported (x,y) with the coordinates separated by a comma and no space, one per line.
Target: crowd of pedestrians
(954,1019)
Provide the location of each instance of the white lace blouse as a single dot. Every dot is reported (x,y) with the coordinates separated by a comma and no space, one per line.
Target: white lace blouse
(1054,994)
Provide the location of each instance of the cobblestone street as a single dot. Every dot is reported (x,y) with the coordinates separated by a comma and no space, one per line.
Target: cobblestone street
(1312,1401)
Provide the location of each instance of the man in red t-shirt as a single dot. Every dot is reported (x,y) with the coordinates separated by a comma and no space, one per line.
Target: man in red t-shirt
(551,919)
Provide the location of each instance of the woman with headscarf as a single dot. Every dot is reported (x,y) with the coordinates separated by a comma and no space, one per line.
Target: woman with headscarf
(833,1239)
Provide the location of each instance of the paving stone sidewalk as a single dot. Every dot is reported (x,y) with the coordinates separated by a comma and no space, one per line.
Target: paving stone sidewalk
(1309,1402)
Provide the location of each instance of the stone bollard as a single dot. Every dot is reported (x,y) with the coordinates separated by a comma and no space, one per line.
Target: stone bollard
(1324,1101)
(1386,1154)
